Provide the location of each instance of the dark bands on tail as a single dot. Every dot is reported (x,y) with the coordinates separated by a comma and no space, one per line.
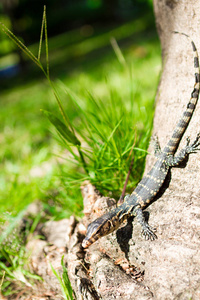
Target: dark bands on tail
(186,117)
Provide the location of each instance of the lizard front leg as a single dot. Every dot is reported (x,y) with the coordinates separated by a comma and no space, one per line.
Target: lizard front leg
(147,230)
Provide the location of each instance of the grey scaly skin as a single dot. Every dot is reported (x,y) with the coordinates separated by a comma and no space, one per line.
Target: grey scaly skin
(150,184)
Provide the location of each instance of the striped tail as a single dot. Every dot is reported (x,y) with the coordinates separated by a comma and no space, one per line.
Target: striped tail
(184,121)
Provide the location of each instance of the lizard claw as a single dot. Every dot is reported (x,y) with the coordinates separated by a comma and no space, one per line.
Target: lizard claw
(148,232)
(194,146)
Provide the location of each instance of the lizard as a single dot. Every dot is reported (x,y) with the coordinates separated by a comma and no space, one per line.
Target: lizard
(151,183)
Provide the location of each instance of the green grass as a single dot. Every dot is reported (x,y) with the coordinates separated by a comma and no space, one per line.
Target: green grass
(30,171)
(110,106)
(14,258)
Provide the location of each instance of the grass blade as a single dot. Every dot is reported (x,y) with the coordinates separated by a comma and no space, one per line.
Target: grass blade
(118,52)
(22,46)
(66,133)
(46,40)
(66,279)
(64,282)
(41,36)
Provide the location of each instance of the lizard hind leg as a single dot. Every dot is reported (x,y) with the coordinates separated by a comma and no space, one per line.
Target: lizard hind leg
(147,231)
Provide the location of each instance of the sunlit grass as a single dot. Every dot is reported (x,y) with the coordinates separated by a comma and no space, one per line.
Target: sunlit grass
(27,144)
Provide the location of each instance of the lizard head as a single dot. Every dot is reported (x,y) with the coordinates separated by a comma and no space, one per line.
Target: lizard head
(99,228)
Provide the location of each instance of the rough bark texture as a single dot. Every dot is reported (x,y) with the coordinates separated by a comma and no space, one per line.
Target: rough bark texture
(122,265)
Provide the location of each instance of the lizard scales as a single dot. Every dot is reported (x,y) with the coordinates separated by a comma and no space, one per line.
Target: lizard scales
(150,184)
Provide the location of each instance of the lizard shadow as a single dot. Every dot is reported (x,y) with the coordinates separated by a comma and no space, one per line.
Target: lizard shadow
(124,235)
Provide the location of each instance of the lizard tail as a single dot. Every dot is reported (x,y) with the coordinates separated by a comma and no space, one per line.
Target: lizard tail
(173,143)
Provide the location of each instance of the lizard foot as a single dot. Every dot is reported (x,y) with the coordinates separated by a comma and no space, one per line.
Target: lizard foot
(148,232)
(194,146)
